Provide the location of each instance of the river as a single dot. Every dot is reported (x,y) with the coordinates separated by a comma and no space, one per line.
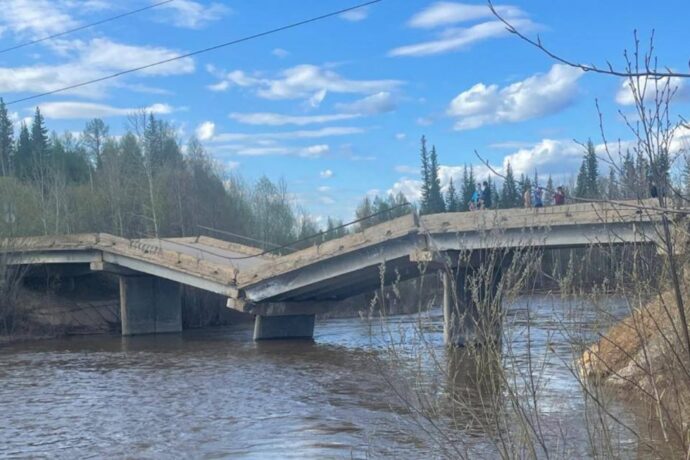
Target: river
(214,393)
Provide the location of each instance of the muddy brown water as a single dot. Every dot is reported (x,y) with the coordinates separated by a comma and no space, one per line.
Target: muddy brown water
(214,393)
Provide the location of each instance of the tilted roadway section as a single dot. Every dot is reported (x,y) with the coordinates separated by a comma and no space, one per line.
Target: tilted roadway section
(264,284)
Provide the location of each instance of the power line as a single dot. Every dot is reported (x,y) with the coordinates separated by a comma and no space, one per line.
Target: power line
(195,53)
(85,26)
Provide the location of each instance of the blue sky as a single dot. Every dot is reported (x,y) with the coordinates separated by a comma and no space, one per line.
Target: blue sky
(337,107)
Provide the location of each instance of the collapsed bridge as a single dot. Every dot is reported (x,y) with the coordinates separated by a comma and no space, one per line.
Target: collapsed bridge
(286,292)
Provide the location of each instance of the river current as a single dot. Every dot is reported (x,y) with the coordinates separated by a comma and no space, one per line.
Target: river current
(214,393)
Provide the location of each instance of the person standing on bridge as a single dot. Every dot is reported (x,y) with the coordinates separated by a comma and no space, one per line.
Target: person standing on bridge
(486,196)
(527,197)
(474,201)
(559,196)
(538,197)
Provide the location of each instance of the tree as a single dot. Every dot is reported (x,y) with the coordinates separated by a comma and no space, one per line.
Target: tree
(94,136)
(468,187)
(550,191)
(510,197)
(363,211)
(452,202)
(435,203)
(23,156)
(6,140)
(426,178)
(592,171)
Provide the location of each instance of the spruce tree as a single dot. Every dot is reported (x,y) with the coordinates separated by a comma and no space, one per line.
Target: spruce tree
(436,203)
(613,192)
(452,204)
(510,196)
(550,190)
(592,171)
(468,187)
(581,181)
(6,140)
(628,179)
(23,161)
(426,182)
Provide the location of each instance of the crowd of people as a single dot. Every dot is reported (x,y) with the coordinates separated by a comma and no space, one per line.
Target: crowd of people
(532,198)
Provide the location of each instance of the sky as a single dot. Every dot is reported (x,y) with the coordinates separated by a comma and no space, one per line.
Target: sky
(337,108)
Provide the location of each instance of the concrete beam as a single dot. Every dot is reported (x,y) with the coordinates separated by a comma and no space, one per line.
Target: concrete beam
(149,305)
(282,308)
(160,271)
(284,327)
(100,266)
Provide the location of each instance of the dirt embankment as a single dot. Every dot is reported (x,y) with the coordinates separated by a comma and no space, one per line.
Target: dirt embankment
(645,356)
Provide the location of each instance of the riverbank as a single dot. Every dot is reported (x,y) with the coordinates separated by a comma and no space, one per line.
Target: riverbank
(644,357)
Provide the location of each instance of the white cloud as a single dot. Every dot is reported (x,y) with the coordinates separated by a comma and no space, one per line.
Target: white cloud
(676,85)
(280,52)
(83,110)
(547,156)
(327,200)
(314,151)
(400,136)
(206,130)
(232,165)
(459,38)
(380,102)
(408,187)
(193,15)
(301,134)
(277,119)
(35,18)
(326,174)
(105,54)
(446,13)
(317,98)
(93,60)
(357,15)
(536,96)
(425,121)
(303,82)
(324,188)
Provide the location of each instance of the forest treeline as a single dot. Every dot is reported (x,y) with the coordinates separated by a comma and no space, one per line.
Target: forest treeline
(629,178)
(145,183)
(140,184)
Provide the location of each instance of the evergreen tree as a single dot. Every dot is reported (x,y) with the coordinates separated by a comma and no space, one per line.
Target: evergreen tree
(510,196)
(628,179)
(468,187)
(550,190)
(452,204)
(613,192)
(436,203)
(493,189)
(6,140)
(40,153)
(642,184)
(592,171)
(364,210)
(426,178)
(23,161)
(581,182)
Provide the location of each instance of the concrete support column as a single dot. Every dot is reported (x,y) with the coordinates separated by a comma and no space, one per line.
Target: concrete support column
(472,312)
(284,327)
(149,305)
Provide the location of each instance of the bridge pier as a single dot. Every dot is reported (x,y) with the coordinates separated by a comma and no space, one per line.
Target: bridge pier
(149,305)
(284,327)
(472,311)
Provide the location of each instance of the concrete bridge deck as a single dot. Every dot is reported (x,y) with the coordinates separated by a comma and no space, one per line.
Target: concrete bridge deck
(310,280)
